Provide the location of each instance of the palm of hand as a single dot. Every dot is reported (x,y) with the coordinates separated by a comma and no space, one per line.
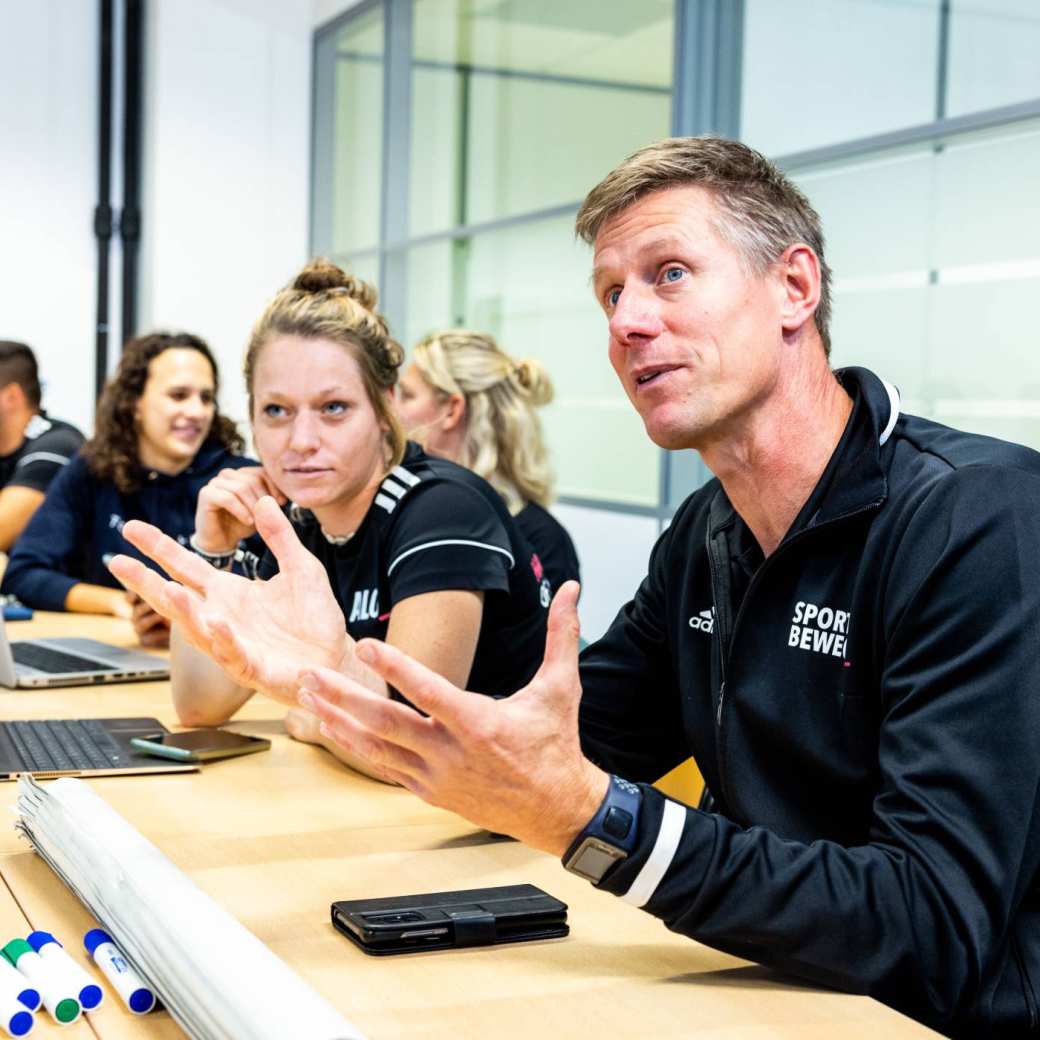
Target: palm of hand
(280,626)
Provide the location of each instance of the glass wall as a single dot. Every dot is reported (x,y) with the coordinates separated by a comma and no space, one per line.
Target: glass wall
(931,220)
(351,62)
(913,125)
(514,111)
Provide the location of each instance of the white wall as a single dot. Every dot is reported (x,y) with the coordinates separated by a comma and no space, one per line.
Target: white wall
(227,168)
(48,187)
(613,549)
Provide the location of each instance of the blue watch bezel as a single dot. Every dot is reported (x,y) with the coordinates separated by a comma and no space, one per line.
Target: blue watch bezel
(595,850)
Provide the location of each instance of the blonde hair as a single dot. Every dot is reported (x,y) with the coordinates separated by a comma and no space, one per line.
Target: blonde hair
(503,442)
(324,302)
(761,212)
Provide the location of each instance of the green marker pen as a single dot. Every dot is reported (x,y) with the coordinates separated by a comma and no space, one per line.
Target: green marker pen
(57,992)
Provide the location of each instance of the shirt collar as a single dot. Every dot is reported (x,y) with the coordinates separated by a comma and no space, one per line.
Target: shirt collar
(853,478)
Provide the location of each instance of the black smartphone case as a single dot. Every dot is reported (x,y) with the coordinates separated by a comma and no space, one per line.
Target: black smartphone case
(448,920)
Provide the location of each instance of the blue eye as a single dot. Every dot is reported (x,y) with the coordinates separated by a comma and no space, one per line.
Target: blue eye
(273,411)
(335,407)
(613,296)
(677,271)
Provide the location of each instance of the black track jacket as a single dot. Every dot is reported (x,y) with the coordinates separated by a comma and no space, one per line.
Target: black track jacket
(865,708)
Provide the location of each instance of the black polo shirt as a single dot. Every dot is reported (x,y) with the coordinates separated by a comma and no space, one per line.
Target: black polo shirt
(48,445)
(435,526)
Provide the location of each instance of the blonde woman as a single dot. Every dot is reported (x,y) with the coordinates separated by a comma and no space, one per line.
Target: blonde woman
(466,399)
(383,541)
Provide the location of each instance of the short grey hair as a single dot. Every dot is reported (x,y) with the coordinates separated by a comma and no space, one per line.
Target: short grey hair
(761,212)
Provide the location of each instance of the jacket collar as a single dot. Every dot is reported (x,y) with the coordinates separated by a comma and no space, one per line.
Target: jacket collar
(210,457)
(854,478)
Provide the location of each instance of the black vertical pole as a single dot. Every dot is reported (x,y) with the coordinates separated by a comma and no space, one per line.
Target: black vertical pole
(130,222)
(103,209)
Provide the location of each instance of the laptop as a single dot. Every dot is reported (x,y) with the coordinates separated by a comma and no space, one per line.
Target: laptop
(72,661)
(79,747)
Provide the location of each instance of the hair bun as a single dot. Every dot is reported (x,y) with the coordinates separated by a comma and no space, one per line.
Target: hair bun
(534,379)
(322,275)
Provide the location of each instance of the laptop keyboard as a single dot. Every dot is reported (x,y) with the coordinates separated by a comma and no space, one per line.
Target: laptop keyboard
(56,662)
(64,744)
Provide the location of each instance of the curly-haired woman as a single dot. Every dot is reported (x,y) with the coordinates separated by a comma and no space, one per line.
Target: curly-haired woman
(159,439)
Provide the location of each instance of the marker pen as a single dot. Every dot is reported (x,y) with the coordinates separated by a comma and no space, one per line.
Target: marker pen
(89,993)
(14,1018)
(57,992)
(114,966)
(12,980)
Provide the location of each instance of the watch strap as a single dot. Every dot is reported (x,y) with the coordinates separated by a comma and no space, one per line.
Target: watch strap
(610,836)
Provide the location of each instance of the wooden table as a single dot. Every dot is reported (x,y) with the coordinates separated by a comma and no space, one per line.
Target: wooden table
(278,836)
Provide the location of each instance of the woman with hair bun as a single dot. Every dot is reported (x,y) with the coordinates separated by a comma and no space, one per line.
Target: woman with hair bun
(159,438)
(375,539)
(467,400)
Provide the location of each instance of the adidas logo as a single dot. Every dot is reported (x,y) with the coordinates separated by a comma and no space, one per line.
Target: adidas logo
(704,621)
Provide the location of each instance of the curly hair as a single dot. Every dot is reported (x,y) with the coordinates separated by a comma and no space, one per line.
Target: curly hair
(111,454)
(324,302)
(503,442)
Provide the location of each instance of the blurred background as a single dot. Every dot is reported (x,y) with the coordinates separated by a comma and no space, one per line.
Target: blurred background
(440,148)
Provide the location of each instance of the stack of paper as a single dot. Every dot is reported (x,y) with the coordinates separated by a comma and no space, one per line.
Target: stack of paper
(215,977)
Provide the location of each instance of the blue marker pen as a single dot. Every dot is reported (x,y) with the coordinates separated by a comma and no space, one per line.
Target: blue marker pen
(12,980)
(125,981)
(14,1018)
(89,993)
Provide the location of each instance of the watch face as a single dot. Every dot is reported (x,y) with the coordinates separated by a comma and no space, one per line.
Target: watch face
(594,858)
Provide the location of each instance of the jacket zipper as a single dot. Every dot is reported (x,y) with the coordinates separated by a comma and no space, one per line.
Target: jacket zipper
(727,641)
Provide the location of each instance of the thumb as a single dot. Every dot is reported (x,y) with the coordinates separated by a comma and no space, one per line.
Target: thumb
(559,668)
(274,528)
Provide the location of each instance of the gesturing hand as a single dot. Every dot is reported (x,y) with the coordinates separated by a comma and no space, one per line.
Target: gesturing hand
(224,513)
(262,633)
(513,766)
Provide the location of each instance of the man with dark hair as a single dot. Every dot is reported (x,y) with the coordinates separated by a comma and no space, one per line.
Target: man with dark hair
(33,447)
(842,628)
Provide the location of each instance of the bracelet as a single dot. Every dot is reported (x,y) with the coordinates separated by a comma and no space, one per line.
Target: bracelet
(222,561)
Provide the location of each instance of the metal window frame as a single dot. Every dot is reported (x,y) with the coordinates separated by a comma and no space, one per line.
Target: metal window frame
(706,98)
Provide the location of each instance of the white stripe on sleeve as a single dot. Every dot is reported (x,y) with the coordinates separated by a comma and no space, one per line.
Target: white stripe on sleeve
(655,868)
(42,456)
(450,541)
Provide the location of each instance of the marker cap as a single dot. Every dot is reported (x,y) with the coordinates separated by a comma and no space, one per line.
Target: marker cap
(19,1024)
(15,949)
(67,1010)
(141,1001)
(39,939)
(94,938)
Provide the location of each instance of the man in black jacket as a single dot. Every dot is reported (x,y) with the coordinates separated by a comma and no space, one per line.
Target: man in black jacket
(843,628)
(33,446)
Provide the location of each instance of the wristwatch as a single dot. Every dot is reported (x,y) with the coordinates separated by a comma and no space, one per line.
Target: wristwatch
(610,835)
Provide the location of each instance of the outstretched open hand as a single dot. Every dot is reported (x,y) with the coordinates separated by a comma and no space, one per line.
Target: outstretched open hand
(514,766)
(262,633)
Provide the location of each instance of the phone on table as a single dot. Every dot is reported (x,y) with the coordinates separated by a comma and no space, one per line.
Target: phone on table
(199,745)
(442,920)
